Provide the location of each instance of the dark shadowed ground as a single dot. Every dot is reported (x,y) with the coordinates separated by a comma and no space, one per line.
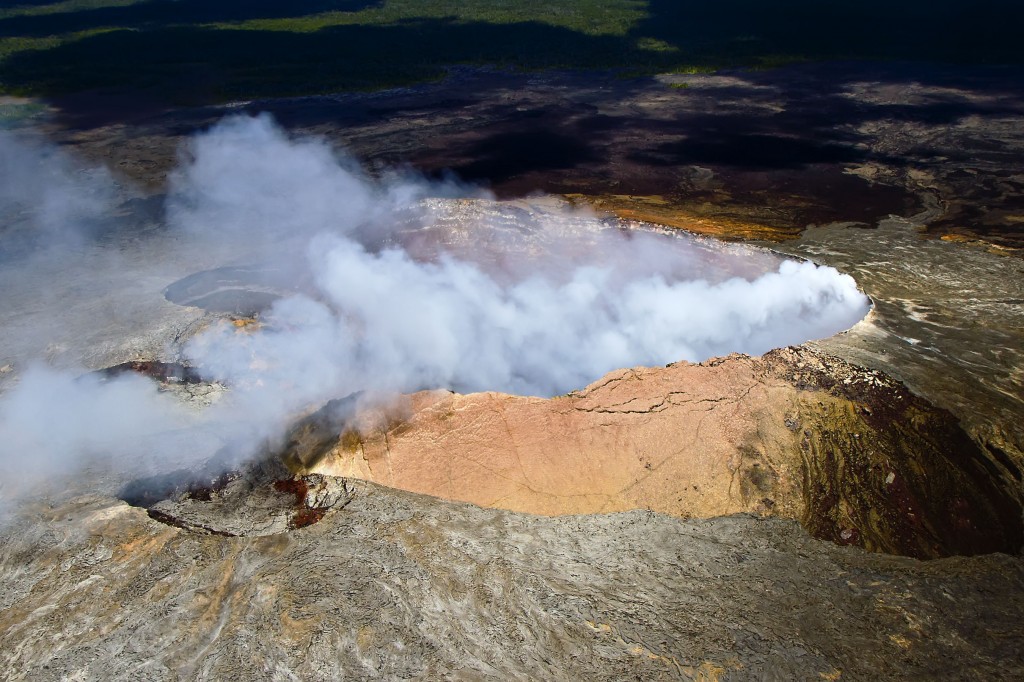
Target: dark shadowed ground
(192,52)
(739,153)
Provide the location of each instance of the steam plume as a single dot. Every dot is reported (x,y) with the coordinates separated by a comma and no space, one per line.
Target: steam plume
(392,290)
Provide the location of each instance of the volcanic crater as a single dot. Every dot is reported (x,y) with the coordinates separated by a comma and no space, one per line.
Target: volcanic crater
(848,451)
(901,435)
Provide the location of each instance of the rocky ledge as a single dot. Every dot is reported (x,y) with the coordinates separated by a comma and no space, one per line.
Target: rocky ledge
(850,453)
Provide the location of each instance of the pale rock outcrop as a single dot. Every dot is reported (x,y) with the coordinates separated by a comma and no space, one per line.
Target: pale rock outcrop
(847,451)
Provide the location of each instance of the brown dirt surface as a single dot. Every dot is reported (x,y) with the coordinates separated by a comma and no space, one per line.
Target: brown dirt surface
(852,454)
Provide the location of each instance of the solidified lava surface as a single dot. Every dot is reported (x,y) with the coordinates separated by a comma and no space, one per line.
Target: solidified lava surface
(170,372)
(259,497)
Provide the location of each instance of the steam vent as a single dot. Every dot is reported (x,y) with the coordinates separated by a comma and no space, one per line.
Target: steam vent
(623,360)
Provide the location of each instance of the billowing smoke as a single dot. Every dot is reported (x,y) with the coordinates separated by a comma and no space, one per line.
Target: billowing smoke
(54,419)
(383,284)
(45,201)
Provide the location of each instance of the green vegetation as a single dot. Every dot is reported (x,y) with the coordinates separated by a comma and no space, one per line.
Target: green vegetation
(14,114)
(216,50)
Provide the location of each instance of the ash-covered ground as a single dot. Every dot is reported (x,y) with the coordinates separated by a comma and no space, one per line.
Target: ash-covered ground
(119,562)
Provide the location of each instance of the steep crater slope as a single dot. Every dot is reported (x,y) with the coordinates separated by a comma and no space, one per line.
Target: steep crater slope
(849,452)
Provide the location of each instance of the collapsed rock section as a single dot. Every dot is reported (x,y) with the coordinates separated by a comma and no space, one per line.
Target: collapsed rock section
(260,499)
(886,470)
(163,372)
(184,381)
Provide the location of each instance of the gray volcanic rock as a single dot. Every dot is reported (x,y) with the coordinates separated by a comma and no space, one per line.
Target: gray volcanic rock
(394,585)
(948,321)
(265,576)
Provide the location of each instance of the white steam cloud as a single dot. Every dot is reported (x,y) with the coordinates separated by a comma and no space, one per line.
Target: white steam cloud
(382,288)
(44,199)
